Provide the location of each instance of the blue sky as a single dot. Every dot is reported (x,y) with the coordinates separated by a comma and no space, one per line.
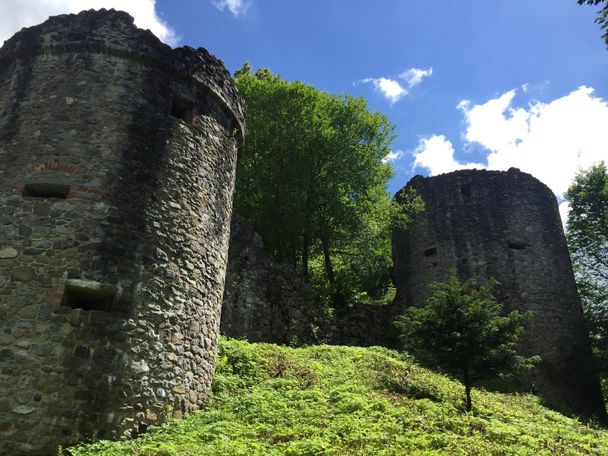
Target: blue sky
(490,83)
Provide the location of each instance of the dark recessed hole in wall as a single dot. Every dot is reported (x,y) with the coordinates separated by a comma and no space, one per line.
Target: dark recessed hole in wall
(184,109)
(465,190)
(46,190)
(80,294)
(141,428)
(430,251)
(517,245)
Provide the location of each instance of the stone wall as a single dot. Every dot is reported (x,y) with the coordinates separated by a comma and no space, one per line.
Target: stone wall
(117,161)
(265,301)
(505,225)
(365,325)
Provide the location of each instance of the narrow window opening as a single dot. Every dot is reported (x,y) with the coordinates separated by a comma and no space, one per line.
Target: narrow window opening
(465,190)
(81,294)
(46,190)
(184,109)
(517,245)
(430,251)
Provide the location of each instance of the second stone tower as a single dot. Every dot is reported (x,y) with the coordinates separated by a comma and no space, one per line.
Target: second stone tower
(505,225)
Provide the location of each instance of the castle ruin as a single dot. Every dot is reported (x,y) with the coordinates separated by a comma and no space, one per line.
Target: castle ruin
(117,167)
(505,225)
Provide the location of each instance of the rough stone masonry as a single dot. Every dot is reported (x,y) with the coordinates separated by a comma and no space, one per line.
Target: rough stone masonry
(117,167)
(505,225)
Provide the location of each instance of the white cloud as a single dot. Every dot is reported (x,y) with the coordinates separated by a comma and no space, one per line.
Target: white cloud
(392,156)
(436,153)
(25,13)
(551,141)
(236,7)
(564,210)
(389,88)
(494,124)
(392,89)
(414,76)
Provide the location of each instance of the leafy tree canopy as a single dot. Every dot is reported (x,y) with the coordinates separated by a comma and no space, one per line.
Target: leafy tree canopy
(312,181)
(587,233)
(461,330)
(602,15)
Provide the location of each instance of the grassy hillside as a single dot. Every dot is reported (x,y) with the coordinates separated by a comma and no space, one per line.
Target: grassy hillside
(331,400)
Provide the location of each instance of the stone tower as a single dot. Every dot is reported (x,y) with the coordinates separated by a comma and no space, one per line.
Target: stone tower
(117,166)
(505,225)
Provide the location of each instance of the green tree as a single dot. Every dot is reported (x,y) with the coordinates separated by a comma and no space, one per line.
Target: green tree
(602,15)
(461,330)
(587,233)
(312,181)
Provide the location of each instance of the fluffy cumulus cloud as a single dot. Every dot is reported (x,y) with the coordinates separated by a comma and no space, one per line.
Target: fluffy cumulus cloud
(551,141)
(414,76)
(436,153)
(392,156)
(392,89)
(236,7)
(388,88)
(25,13)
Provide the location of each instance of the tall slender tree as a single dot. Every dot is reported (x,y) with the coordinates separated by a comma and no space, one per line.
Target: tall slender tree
(312,180)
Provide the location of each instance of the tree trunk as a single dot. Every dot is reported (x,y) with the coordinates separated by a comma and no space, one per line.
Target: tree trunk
(293,252)
(305,253)
(338,298)
(467,389)
(329,269)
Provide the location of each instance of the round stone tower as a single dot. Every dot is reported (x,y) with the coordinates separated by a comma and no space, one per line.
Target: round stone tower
(505,225)
(117,167)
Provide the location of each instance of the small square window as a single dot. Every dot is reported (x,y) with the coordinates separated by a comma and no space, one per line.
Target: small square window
(88,295)
(183,109)
(465,190)
(430,251)
(517,245)
(46,190)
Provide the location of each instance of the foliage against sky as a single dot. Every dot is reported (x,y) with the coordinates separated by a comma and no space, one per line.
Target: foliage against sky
(312,181)
(587,233)
(602,15)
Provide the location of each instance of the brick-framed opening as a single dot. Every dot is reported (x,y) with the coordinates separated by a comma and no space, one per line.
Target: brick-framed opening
(46,190)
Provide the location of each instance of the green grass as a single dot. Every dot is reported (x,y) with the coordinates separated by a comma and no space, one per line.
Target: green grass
(332,400)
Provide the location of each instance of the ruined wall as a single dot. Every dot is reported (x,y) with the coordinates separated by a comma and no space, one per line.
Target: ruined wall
(117,161)
(365,325)
(265,301)
(505,225)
